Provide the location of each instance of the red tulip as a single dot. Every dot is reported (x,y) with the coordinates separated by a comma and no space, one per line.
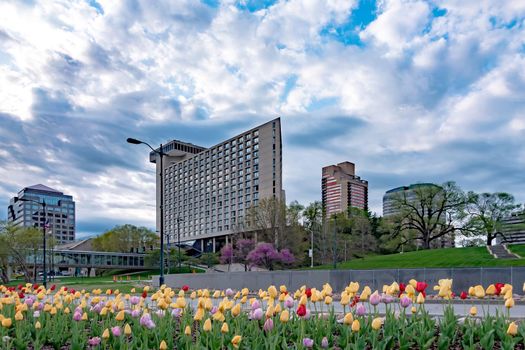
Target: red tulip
(35,286)
(499,286)
(185,287)
(301,310)
(53,287)
(20,287)
(420,287)
(463,295)
(21,295)
(144,294)
(308,292)
(72,291)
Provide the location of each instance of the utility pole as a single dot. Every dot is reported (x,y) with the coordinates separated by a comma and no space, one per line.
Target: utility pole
(335,243)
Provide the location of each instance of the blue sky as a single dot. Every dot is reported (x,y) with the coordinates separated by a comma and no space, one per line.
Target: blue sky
(409,90)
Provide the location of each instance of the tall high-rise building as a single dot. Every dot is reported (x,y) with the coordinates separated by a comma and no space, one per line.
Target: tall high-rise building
(60,211)
(207,191)
(342,189)
(390,197)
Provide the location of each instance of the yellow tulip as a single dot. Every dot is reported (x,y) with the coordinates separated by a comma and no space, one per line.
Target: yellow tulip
(513,329)
(187,330)
(491,290)
(328,300)
(272,291)
(410,290)
(120,316)
(236,341)
(127,330)
(207,325)
(224,328)
(285,316)
(303,300)
(377,323)
(413,309)
(473,311)
(413,283)
(38,325)
(67,311)
(105,334)
(104,311)
(282,288)
(19,316)
(509,303)
(84,316)
(471,292)
(345,298)
(218,316)
(163,345)
(278,309)
(479,292)
(508,295)
(269,311)
(356,326)
(6,322)
(236,310)
(420,299)
(348,319)
(199,314)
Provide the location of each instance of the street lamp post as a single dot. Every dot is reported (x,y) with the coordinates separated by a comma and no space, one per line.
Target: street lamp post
(160,153)
(43,204)
(178,241)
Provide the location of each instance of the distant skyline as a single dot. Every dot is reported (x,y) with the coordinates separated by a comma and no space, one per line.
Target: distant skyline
(408,90)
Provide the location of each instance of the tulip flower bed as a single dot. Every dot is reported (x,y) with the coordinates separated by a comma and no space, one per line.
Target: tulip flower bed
(35,318)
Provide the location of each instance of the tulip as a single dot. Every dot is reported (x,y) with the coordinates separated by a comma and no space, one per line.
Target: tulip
(356,326)
(285,316)
(19,316)
(105,334)
(479,292)
(473,311)
(463,295)
(6,322)
(288,302)
(509,303)
(405,301)
(375,299)
(513,329)
(94,341)
(328,300)
(324,343)
(257,314)
(163,345)
(301,310)
(308,343)
(207,325)
(413,309)
(236,310)
(256,304)
(187,331)
(377,323)
(345,299)
(268,325)
(420,298)
(360,310)
(224,328)
(236,341)
(270,311)
(38,325)
(348,319)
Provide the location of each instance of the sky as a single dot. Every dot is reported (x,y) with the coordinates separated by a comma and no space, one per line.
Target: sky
(409,90)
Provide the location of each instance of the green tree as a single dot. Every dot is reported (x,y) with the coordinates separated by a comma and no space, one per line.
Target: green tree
(209,259)
(486,212)
(313,224)
(125,238)
(428,213)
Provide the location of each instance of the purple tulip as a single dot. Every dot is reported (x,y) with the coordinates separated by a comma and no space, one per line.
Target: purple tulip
(77,316)
(160,313)
(387,299)
(36,314)
(116,331)
(256,305)
(308,343)
(375,299)
(257,314)
(29,301)
(405,301)
(94,341)
(360,310)
(324,343)
(288,302)
(176,313)
(214,310)
(135,313)
(229,293)
(307,314)
(134,300)
(268,325)
(146,321)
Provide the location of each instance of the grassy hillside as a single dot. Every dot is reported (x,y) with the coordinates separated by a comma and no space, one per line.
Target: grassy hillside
(447,257)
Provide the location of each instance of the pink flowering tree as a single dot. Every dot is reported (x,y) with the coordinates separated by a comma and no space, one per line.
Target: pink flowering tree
(237,254)
(265,255)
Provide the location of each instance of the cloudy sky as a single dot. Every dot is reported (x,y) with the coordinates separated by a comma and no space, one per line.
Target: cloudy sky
(409,90)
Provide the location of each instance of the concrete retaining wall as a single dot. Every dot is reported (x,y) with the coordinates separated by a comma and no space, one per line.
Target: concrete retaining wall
(338,279)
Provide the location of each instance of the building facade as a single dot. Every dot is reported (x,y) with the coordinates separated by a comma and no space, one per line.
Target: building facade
(208,191)
(513,228)
(60,211)
(342,189)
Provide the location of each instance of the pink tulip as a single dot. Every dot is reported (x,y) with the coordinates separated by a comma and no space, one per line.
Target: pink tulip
(116,331)
(360,310)
(268,325)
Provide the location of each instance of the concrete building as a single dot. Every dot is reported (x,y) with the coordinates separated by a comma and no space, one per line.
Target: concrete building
(60,211)
(207,191)
(342,189)
(513,228)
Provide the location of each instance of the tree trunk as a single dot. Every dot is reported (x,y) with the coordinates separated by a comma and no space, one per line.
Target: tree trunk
(489,239)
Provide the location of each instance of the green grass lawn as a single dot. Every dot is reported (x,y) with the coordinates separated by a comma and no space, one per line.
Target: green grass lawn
(447,257)
(517,249)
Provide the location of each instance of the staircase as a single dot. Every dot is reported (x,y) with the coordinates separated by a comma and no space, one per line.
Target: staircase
(500,251)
